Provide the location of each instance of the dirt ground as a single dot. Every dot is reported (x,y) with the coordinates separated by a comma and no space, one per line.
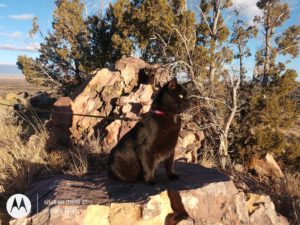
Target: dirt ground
(15,84)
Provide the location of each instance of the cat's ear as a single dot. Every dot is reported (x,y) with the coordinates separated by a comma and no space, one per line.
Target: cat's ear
(173,84)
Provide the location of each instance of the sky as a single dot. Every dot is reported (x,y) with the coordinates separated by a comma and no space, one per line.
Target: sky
(16,21)
(247,11)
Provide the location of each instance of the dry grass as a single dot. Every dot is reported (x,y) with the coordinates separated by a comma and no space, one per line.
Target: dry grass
(292,183)
(86,155)
(20,161)
(24,160)
(78,162)
(208,160)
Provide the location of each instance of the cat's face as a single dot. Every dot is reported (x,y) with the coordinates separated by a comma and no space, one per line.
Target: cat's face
(175,99)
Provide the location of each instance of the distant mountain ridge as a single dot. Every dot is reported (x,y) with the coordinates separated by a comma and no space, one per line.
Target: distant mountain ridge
(7,70)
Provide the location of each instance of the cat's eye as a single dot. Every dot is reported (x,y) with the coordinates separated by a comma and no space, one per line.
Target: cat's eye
(180,96)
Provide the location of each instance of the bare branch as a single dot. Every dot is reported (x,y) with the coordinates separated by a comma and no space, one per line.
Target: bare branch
(291,46)
(46,74)
(226,20)
(184,40)
(210,99)
(205,20)
(216,19)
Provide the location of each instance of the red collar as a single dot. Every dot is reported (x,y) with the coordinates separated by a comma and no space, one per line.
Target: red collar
(158,112)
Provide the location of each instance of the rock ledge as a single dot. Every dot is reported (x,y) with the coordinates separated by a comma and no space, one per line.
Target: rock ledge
(200,196)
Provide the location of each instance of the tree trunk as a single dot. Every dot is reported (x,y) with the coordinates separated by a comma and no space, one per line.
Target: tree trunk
(77,71)
(241,64)
(223,148)
(267,51)
(212,70)
(216,16)
(223,151)
(212,66)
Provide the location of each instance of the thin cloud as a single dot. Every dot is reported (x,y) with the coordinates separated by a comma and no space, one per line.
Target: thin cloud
(21,17)
(247,8)
(2,5)
(6,63)
(92,7)
(29,48)
(16,34)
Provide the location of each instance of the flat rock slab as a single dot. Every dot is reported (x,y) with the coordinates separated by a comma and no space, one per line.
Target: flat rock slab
(200,196)
(100,189)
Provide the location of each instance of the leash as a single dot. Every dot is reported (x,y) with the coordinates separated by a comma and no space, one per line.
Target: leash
(19,107)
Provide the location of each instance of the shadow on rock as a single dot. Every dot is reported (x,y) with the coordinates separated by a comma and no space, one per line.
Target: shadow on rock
(102,190)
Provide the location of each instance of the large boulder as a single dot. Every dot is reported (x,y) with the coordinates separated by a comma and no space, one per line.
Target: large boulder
(266,167)
(200,196)
(188,145)
(262,210)
(126,91)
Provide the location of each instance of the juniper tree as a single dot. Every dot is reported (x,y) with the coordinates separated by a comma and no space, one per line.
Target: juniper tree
(35,27)
(119,18)
(65,50)
(154,28)
(267,110)
(269,106)
(35,72)
(70,38)
(102,50)
(213,32)
(275,13)
(241,33)
(288,42)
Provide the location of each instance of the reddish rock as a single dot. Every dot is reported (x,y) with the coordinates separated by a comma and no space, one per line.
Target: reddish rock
(200,196)
(262,210)
(61,121)
(188,145)
(125,92)
(265,167)
(270,159)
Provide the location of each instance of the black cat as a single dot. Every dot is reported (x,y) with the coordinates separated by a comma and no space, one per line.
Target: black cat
(152,140)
